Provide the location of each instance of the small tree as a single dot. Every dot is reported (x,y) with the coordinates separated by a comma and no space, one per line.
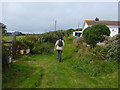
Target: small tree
(3,28)
(94,34)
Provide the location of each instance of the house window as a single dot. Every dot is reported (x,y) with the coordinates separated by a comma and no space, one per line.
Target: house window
(112,29)
(119,30)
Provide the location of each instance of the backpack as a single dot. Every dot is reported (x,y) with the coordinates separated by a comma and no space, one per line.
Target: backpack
(60,43)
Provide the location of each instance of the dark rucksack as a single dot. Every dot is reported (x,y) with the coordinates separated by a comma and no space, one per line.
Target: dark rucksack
(60,43)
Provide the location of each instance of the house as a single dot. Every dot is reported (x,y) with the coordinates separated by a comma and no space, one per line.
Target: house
(77,33)
(114,26)
(13,32)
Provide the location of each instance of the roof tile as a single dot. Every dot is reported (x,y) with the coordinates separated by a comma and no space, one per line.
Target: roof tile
(111,23)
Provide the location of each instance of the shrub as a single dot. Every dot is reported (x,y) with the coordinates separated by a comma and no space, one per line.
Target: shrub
(99,51)
(43,48)
(79,40)
(32,37)
(78,29)
(24,43)
(113,47)
(50,37)
(94,34)
(5,55)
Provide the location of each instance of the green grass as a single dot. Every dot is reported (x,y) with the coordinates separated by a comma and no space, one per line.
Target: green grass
(78,69)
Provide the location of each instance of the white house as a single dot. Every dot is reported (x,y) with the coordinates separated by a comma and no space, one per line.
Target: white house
(114,26)
(77,33)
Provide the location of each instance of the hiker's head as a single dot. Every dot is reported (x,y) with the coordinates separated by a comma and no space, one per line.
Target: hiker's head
(60,38)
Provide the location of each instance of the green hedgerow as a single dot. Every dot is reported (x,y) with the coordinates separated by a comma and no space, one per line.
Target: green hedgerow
(43,48)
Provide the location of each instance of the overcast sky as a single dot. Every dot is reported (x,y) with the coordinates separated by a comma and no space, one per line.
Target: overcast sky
(39,17)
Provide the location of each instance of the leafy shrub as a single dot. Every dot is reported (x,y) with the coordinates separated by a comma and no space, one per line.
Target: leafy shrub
(32,37)
(5,54)
(113,47)
(79,40)
(94,34)
(43,48)
(50,38)
(78,29)
(99,51)
(70,38)
(26,43)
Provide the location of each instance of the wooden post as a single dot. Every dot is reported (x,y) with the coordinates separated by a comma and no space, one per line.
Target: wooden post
(14,45)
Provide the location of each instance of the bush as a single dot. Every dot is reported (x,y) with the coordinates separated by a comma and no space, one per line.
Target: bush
(95,34)
(44,48)
(5,55)
(113,47)
(80,29)
(32,37)
(50,37)
(79,40)
(24,43)
(99,51)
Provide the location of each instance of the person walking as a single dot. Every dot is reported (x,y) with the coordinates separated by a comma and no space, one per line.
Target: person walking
(59,45)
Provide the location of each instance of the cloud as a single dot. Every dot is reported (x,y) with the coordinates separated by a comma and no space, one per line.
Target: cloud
(59,0)
(40,17)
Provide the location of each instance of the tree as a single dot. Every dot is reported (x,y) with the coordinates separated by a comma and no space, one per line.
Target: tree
(95,34)
(3,28)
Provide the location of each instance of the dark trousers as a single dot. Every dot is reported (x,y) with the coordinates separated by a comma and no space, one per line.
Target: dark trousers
(59,55)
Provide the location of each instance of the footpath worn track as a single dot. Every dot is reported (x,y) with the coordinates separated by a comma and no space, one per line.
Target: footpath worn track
(45,71)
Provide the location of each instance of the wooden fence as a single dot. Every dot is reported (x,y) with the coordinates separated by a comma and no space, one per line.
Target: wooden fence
(10,48)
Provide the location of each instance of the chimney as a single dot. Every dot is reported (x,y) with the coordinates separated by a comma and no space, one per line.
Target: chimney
(96,19)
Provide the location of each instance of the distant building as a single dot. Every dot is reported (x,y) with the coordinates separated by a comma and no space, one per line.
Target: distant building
(114,26)
(9,33)
(77,33)
(13,32)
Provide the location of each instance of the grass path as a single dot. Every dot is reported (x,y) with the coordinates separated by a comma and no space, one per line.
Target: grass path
(45,71)
(57,74)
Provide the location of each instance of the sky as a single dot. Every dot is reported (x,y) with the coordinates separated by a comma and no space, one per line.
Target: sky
(39,17)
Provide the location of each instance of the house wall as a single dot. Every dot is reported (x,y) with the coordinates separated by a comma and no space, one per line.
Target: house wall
(73,33)
(113,31)
(85,26)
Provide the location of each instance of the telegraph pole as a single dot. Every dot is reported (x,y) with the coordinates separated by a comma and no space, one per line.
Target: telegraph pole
(55,24)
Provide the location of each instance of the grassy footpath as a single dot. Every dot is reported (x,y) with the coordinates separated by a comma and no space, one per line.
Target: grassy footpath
(44,71)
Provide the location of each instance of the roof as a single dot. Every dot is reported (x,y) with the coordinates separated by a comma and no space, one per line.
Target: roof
(110,23)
